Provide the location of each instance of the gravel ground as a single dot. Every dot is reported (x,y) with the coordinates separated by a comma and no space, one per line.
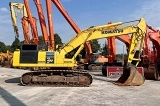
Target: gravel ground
(101,93)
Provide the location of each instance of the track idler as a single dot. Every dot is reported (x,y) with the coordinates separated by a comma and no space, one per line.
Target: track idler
(130,77)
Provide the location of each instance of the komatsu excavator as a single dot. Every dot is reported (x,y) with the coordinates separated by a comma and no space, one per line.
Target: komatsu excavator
(62,68)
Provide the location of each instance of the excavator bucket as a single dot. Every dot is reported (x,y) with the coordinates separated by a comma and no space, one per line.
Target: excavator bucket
(130,77)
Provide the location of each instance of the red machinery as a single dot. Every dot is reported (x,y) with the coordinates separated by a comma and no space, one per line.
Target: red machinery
(150,58)
(42,23)
(32,23)
(25,25)
(50,24)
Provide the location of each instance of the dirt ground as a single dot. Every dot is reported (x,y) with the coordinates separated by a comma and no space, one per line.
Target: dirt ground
(101,93)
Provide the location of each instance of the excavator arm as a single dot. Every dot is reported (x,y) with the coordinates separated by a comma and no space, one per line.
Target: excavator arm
(111,30)
(13,10)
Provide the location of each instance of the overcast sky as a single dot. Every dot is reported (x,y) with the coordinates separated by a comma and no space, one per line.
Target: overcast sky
(85,13)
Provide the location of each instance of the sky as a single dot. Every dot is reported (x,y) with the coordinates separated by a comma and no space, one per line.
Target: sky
(84,13)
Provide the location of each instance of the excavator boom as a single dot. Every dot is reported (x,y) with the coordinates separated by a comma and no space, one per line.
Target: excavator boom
(42,22)
(50,24)
(32,22)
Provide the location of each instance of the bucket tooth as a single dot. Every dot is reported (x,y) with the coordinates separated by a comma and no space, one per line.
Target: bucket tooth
(130,77)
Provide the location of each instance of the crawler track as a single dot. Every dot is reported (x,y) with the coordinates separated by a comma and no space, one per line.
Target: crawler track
(57,78)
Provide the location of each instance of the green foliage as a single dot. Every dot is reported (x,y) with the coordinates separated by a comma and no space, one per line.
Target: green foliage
(3,47)
(105,50)
(120,56)
(41,41)
(9,48)
(15,45)
(22,42)
(57,39)
(95,46)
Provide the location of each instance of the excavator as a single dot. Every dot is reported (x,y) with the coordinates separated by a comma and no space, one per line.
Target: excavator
(63,69)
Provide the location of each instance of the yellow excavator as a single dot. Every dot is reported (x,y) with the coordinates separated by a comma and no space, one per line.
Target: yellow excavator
(61,65)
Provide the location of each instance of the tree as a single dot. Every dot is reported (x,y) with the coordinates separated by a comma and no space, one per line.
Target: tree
(16,43)
(57,39)
(41,41)
(120,56)
(3,47)
(9,47)
(105,50)
(95,46)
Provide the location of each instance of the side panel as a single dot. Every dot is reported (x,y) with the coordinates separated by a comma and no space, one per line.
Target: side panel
(16,58)
(29,57)
(118,71)
(41,57)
